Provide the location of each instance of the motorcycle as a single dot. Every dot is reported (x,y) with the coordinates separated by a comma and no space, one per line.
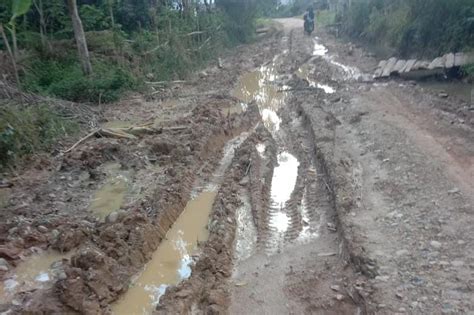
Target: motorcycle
(308,25)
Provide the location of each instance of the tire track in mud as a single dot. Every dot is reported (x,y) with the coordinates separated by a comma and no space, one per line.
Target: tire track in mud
(309,208)
(95,276)
(313,219)
(292,138)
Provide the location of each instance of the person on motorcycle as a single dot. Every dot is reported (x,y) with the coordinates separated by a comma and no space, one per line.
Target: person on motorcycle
(309,20)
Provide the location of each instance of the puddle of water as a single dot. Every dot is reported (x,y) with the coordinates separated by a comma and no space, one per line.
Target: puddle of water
(349,72)
(33,273)
(170,263)
(257,86)
(461,90)
(304,73)
(261,149)
(111,196)
(319,50)
(246,237)
(326,88)
(280,221)
(271,120)
(284,178)
(283,183)
(229,150)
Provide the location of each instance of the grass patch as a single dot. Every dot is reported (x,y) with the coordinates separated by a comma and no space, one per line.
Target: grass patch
(64,79)
(25,130)
(325,18)
(468,71)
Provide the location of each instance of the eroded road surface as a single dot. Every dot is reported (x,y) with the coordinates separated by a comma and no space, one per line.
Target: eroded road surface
(286,181)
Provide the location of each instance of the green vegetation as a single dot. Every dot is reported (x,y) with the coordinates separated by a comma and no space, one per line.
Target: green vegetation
(412,27)
(64,79)
(325,18)
(96,50)
(469,72)
(25,130)
(129,42)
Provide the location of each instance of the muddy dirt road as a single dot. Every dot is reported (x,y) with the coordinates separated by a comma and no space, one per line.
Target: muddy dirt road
(284,181)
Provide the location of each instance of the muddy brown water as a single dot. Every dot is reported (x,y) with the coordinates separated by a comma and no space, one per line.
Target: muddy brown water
(460,90)
(283,184)
(304,73)
(111,195)
(260,86)
(171,262)
(34,273)
(257,86)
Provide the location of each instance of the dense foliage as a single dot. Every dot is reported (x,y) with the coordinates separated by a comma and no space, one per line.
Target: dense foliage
(25,130)
(413,27)
(129,41)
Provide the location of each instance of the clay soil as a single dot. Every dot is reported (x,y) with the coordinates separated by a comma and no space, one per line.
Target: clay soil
(379,220)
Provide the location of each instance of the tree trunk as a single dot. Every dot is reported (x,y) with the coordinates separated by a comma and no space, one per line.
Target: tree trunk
(111,13)
(80,37)
(44,40)
(14,41)
(10,53)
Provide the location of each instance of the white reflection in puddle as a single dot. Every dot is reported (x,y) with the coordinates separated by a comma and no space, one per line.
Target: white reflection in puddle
(284,178)
(42,277)
(283,184)
(280,221)
(171,262)
(261,149)
(271,119)
(35,272)
(304,73)
(326,88)
(319,50)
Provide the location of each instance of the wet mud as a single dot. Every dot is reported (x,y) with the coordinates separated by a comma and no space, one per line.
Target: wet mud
(240,199)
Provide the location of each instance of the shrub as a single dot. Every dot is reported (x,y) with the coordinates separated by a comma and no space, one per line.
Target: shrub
(64,79)
(413,27)
(25,130)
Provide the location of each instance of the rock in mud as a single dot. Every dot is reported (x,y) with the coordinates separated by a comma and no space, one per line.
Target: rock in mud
(69,239)
(443,95)
(9,252)
(43,229)
(4,265)
(112,217)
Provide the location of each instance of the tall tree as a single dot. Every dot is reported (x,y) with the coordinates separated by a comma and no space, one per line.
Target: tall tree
(39,7)
(19,8)
(10,53)
(80,37)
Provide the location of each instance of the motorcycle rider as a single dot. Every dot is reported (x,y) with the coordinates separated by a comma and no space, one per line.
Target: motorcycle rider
(309,17)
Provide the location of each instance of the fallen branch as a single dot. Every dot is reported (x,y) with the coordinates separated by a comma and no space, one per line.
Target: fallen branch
(156,48)
(195,33)
(115,133)
(125,133)
(165,82)
(93,133)
(298,89)
(203,44)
